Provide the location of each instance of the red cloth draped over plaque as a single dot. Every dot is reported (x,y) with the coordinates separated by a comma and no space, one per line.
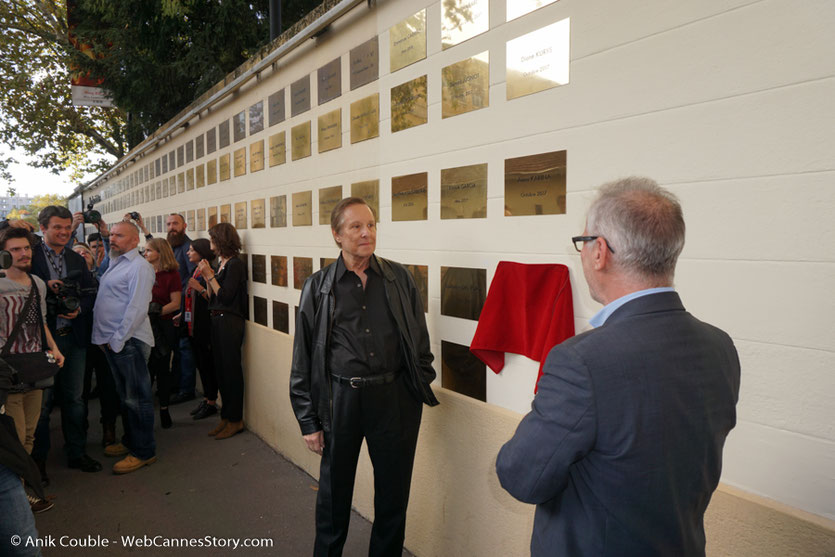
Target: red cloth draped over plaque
(528,311)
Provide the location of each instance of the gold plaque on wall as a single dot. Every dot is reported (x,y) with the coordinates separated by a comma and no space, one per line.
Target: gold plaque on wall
(325,261)
(190,224)
(409,197)
(259,218)
(464,192)
(278,211)
(465,86)
(421,275)
(240,162)
(256,156)
(300,96)
(240,215)
(278,149)
(300,143)
(463,19)
(369,191)
(200,175)
(539,60)
(535,185)
(328,199)
(408,104)
(329,80)
(330,130)
(462,372)
(164,187)
(518,8)
(365,118)
(226,213)
(259,268)
(181,182)
(364,63)
(211,172)
(172,185)
(303,208)
(302,268)
(407,41)
(224,167)
(190,179)
(278,270)
(463,291)
(212,216)
(281,317)
(201,220)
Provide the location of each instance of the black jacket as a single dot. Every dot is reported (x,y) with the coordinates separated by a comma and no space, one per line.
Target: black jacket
(310,391)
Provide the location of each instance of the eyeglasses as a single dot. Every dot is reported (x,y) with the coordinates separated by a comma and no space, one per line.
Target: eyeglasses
(579,242)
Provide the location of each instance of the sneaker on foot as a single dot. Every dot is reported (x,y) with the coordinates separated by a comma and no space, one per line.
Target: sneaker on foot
(39,505)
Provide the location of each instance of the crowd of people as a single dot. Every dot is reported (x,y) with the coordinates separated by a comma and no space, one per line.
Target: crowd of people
(122,322)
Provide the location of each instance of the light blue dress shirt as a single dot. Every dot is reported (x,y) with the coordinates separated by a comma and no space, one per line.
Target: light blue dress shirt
(121,310)
(601,316)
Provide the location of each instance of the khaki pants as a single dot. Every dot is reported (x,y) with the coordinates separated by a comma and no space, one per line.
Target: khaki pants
(25,409)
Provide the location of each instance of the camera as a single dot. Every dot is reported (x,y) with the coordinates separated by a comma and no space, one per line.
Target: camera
(134,215)
(5,261)
(67,297)
(91,216)
(155,309)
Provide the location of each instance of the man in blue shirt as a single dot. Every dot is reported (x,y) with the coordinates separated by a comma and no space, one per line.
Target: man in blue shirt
(121,327)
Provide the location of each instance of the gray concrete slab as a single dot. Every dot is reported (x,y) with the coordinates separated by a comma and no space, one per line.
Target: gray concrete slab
(198,489)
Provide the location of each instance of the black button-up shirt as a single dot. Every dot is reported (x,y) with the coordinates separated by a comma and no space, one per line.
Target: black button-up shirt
(364,338)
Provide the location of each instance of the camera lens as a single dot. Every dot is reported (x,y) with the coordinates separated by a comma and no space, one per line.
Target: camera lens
(92,216)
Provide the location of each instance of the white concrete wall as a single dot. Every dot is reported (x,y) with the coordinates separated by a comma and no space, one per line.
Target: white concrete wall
(727,103)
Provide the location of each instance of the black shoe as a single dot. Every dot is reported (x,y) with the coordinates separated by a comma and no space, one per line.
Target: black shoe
(85,464)
(108,435)
(42,468)
(181,397)
(199,407)
(206,411)
(164,418)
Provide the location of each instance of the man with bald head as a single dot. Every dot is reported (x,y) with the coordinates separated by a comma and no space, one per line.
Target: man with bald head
(122,329)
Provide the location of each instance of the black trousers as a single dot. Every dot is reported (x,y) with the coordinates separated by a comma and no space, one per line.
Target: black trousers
(159,363)
(388,418)
(201,346)
(227,338)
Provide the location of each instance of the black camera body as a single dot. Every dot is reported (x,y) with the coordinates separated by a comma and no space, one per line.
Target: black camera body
(134,215)
(67,297)
(91,216)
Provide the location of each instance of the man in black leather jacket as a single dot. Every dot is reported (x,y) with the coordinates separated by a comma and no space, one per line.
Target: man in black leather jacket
(361,369)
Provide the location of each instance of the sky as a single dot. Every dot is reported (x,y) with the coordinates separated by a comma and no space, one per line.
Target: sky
(35,181)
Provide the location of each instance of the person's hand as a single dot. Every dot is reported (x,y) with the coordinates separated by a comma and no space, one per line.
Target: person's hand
(195,284)
(141,222)
(101,226)
(77,219)
(72,315)
(206,270)
(176,319)
(59,358)
(54,284)
(315,442)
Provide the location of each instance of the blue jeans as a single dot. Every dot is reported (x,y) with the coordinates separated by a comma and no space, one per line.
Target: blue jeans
(183,368)
(69,390)
(17,518)
(133,383)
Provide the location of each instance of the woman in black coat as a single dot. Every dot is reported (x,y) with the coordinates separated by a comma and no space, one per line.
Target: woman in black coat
(199,326)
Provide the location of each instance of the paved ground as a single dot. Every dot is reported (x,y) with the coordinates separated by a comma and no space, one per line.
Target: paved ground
(232,489)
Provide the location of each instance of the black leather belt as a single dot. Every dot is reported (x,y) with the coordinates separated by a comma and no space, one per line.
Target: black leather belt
(360,382)
(63,331)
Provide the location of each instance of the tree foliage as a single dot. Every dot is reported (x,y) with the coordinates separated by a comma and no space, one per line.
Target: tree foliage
(39,202)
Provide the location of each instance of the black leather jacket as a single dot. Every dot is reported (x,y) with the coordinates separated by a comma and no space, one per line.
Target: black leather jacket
(310,385)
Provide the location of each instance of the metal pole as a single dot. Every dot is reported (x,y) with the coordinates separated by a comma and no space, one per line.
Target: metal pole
(275,19)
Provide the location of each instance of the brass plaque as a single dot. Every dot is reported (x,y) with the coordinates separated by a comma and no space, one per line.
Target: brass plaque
(190,179)
(190,151)
(190,224)
(325,261)
(408,104)
(239,126)
(538,61)
(365,118)
(240,162)
(518,8)
(226,213)
(259,268)
(278,270)
(278,211)
(328,199)
(421,275)
(159,190)
(157,168)
(171,162)
(201,220)
(276,107)
(278,149)
(303,208)
(365,63)
(463,291)
(300,96)
(463,19)
(302,268)
(464,192)
(281,317)
(465,86)
(152,192)
(200,176)
(409,197)
(212,211)
(462,372)
(240,215)
(258,212)
(159,223)
(180,156)
(211,141)
(211,172)
(256,117)
(259,310)
(329,80)
(256,156)
(407,41)
(330,131)
(224,167)
(535,185)
(223,134)
(300,143)
(181,182)
(369,191)
(198,146)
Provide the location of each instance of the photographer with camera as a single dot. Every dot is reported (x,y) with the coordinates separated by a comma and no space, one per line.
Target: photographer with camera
(70,298)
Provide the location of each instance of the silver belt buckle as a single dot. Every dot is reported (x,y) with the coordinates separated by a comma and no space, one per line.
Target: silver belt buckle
(355,382)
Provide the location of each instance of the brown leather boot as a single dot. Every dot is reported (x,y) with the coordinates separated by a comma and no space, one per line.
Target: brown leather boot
(232,428)
(220,426)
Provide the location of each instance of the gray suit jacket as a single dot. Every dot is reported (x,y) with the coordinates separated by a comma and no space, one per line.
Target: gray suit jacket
(623,446)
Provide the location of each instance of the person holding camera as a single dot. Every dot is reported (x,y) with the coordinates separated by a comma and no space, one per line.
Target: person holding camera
(165,302)
(70,298)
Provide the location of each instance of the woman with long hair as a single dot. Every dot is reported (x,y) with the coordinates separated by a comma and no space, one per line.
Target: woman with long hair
(165,302)
(227,309)
(198,320)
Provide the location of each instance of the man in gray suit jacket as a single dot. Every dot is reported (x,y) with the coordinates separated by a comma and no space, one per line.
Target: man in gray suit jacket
(622,449)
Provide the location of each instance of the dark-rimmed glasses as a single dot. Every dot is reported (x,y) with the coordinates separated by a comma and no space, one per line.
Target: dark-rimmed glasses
(579,242)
